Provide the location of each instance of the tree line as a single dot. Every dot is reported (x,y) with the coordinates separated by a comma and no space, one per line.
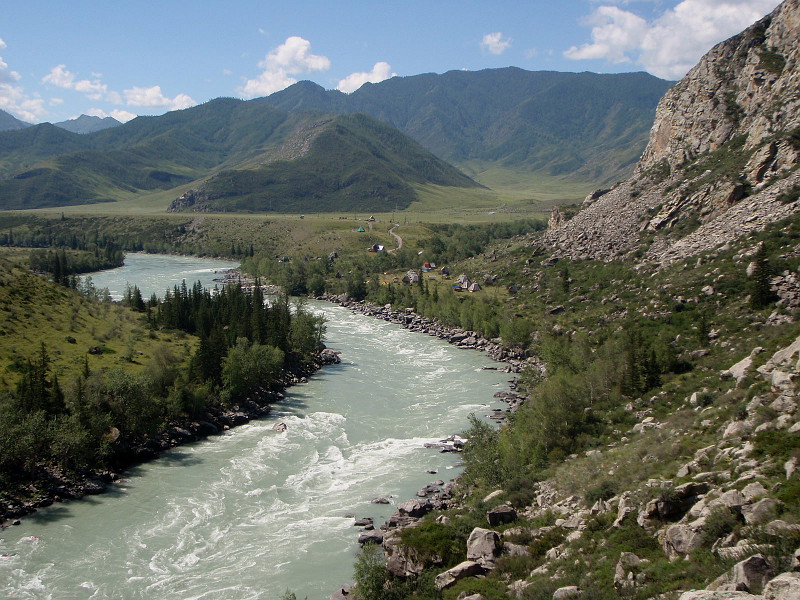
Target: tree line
(93,419)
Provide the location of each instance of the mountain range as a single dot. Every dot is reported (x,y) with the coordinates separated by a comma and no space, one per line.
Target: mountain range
(274,152)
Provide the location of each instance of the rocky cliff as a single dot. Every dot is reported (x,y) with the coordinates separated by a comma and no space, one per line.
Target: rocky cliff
(722,159)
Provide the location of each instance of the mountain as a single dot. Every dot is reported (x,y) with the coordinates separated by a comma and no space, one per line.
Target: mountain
(582,125)
(87,124)
(10,123)
(45,165)
(338,163)
(722,158)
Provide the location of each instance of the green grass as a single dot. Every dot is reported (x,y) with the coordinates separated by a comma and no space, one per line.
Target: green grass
(35,311)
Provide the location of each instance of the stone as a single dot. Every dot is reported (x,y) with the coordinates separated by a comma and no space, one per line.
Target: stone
(736,429)
(626,570)
(785,586)
(717,595)
(513,550)
(401,561)
(761,511)
(731,499)
(754,490)
(680,540)
(753,573)
(415,508)
(468,568)
(482,547)
(500,515)
(371,537)
(493,495)
(569,591)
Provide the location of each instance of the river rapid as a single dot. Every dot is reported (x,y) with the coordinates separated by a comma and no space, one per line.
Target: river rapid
(253,512)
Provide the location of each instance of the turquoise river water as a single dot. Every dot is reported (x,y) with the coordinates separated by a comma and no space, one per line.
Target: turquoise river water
(252,513)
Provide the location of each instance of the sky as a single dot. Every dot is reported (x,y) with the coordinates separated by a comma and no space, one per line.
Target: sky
(60,59)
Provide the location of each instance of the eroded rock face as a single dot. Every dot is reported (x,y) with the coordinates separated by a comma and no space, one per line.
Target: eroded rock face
(740,98)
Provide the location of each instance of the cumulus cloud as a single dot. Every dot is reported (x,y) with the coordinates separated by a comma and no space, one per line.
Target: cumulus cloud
(382,70)
(672,43)
(13,98)
(123,116)
(291,58)
(61,77)
(493,43)
(153,96)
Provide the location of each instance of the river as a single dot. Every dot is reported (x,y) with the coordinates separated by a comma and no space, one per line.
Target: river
(252,513)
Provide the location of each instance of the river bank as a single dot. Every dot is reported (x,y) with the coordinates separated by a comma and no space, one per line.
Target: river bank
(51,485)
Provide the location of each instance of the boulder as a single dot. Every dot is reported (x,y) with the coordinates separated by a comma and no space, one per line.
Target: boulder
(468,568)
(374,536)
(679,540)
(785,586)
(482,546)
(714,595)
(511,549)
(401,561)
(751,574)
(569,591)
(626,571)
(761,511)
(415,508)
(501,514)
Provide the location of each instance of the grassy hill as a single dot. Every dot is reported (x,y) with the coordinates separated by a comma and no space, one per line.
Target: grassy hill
(353,159)
(351,163)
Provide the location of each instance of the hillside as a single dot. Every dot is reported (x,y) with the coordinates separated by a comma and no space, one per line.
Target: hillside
(722,159)
(337,164)
(45,165)
(585,126)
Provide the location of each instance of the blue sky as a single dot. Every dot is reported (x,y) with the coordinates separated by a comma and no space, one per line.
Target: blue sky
(59,59)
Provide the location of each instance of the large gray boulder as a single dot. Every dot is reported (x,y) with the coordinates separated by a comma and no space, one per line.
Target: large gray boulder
(679,540)
(500,515)
(785,586)
(482,546)
(752,573)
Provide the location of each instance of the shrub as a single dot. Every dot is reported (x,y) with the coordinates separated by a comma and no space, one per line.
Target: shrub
(602,491)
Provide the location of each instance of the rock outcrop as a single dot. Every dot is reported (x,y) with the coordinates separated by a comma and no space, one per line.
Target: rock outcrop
(722,157)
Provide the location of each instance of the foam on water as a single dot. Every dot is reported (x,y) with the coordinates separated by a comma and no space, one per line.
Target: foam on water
(253,512)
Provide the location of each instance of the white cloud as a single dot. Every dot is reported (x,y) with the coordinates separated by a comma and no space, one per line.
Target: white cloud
(290,58)
(13,98)
(123,116)
(153,96)
(493,43)
(61,77)
(672,43)
(382,70)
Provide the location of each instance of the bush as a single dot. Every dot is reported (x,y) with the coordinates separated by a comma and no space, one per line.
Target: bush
(602,491)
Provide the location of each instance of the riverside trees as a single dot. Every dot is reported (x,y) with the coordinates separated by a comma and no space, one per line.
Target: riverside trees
(94,418)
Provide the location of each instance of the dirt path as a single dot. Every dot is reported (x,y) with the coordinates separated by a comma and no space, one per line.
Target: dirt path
(397,237)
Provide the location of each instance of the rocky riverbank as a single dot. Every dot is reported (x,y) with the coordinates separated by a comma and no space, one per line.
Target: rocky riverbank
(54,485)
(471,340)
